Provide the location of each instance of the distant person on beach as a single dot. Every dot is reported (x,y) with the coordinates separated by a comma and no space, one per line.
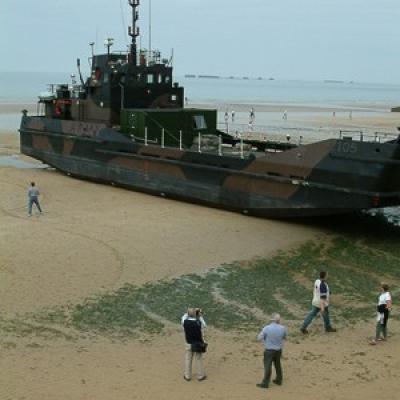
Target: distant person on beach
(319,304)
(193,326)
(186,101)
(226,117)
(252,115)
(233,115)
(384,307)
(33,198)
(273,336)
(284,116)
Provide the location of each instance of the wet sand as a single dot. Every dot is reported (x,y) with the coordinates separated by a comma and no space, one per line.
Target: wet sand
(94,238)
(137,237)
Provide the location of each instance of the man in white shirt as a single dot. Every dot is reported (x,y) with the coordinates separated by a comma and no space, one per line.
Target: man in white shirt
(383,310)
(319,304)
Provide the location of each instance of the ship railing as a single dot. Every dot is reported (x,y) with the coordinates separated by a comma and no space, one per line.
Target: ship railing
(301,135)
(265,133)
(73,88)
(199,147)
(144,57)
(384,136)
(150,57)
(377,137)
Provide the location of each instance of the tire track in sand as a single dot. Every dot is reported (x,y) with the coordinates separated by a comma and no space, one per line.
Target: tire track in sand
(120,263)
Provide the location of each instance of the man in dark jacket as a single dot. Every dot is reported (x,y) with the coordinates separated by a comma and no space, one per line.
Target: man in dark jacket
(193,338)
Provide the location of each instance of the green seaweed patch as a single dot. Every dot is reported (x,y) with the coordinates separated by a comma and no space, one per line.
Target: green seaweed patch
(236,297)
(254,287)
(240,296)
(117,314)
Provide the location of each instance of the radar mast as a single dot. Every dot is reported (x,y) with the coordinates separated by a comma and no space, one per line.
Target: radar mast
(133,31)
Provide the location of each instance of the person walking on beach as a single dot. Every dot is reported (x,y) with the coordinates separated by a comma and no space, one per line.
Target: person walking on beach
(252,116)
(273,336)
(233,115)
(226,118)
(194,343)
(319,304)
(33,198)
(383,310)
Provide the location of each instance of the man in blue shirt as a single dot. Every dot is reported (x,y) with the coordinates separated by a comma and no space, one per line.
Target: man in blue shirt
(319,304)
(273,336)
(33,197)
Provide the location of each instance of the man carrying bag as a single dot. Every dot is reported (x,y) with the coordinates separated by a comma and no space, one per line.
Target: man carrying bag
(194,345)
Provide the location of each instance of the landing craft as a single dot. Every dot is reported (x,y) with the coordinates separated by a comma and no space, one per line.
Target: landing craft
(127,125)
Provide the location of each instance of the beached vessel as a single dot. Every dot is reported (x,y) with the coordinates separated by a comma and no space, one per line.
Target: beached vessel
(127,125)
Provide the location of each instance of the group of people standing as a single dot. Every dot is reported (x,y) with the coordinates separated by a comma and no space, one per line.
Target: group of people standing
(252,116)
(274,334)
(226,116)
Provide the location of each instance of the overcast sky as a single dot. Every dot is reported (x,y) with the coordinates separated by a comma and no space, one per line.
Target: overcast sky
(286,39)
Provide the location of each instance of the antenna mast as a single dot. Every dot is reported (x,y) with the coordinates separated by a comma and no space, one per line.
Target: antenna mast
(150,53)
(133,31)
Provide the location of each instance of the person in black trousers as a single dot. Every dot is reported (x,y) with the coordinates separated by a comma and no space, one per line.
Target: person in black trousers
(273,336)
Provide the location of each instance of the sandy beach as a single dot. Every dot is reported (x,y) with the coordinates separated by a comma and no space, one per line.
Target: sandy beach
(93,239)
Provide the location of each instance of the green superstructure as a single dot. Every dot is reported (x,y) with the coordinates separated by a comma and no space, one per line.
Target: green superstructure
(171,127)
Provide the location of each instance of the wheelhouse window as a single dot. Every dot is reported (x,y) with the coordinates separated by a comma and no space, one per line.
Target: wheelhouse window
(199,122)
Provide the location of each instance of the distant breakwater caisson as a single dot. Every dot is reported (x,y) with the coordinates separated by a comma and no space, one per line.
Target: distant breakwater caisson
(194,76)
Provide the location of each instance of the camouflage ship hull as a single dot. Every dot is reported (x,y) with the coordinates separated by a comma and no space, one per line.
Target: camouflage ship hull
(327,177)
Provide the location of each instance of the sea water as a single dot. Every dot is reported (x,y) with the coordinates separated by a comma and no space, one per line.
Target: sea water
(14,161)
(25,87)
(20,87)
(316,94)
